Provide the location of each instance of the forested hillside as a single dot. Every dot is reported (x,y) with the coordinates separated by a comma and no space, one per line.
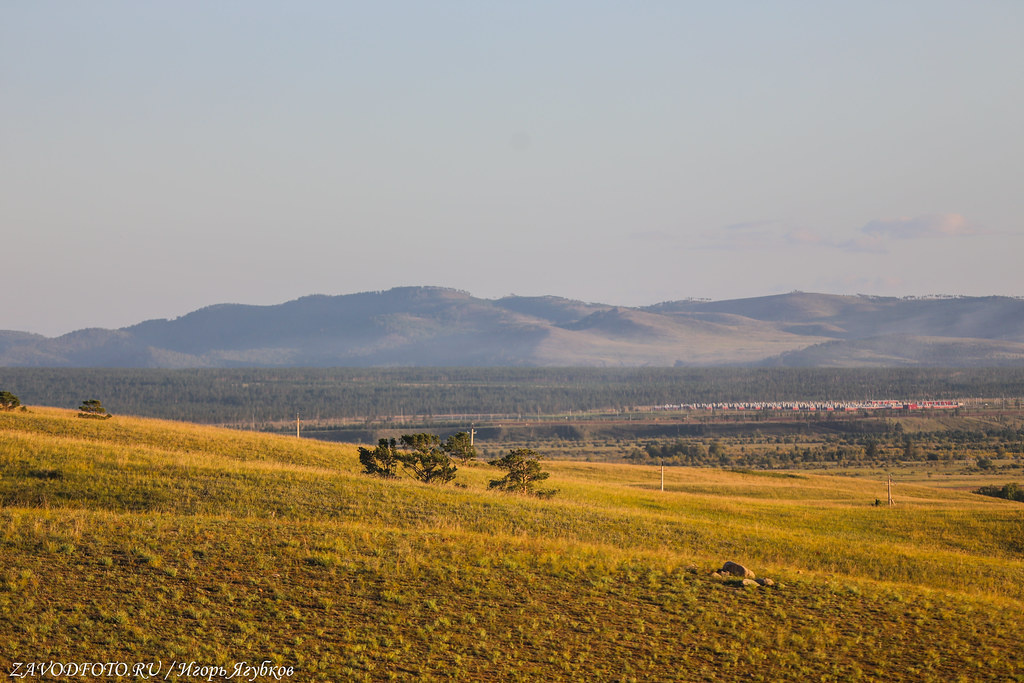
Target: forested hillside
(431,326)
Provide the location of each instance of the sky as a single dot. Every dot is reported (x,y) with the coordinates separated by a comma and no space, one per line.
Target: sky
(158,157)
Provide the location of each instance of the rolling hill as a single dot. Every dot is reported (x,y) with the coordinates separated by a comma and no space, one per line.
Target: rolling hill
(133,540)
(431,326)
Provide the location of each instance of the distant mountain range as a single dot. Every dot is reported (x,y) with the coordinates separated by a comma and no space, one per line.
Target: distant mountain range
(431,326)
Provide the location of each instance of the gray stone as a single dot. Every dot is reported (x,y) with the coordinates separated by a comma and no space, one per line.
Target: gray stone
(765,582)
(737,570)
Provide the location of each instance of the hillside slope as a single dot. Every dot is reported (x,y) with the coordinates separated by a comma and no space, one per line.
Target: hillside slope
(906,351)
(860,317)
(146,541)
(431,326)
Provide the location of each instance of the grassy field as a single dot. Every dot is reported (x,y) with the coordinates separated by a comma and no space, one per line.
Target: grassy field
(131,540)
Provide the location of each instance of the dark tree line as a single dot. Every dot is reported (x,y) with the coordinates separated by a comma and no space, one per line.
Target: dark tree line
(1011,491)
(241,396)
(894,446)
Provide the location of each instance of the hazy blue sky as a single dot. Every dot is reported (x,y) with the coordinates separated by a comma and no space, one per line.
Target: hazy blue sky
(157,157)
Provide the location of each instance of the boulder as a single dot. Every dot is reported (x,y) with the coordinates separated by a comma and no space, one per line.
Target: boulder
(765,582)
(736,570)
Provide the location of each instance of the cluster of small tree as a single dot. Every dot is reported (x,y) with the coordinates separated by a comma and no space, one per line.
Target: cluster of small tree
(426,458)
(1011,491)
(699,454)
(93,408)
(677,453)
(423,456)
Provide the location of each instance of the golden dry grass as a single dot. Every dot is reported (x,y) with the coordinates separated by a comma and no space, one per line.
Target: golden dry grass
(134,539)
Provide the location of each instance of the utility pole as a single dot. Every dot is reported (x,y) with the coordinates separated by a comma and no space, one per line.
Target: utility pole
(472,433)
(297,435)
(890,491)
(662,475)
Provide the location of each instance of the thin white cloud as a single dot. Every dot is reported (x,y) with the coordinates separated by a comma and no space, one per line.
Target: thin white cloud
(872,238)
(869,244)
(926,226)
(742,236)
(804,237)
(760,235)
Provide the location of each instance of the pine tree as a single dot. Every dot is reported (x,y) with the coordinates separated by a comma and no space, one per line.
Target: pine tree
(523,466)
(381,461)
(93,408)
(8,401)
